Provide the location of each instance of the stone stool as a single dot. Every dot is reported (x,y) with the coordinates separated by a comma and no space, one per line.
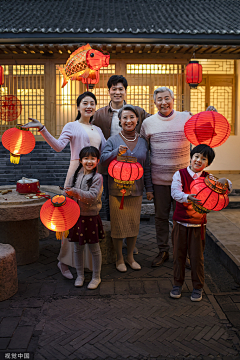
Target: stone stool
(8,272)
(109,255)
(43,232)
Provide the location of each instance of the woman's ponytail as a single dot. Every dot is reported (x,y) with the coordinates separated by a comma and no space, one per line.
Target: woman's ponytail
(78,116)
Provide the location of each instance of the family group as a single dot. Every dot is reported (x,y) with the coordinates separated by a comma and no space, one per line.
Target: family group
(159,144)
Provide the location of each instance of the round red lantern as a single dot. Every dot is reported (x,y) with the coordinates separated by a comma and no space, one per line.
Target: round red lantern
(207,127)
(1,76)
(193,74)
(18,141)
(213,195)
(91,80)
(125,170)
(59,214)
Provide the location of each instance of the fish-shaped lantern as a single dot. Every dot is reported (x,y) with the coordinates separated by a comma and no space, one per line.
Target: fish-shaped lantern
(83,62)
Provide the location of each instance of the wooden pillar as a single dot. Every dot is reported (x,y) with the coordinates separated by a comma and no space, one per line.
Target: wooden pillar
(50,96)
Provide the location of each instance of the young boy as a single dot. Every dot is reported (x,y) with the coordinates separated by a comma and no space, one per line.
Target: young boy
(189,228)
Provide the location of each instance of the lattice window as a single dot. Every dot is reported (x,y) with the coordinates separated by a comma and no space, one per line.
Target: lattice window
(66,97)
(26,82)
(217,89)
(153,68)
(197,103)
(214,66)
(221,97)
(138,96)
(145,78)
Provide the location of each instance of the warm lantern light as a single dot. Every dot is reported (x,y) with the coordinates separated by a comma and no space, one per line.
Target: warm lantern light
(18,141)
(207,127)
(59,214)
(125,170)
(92,80)
(1,76)
(193,74)
(213,195)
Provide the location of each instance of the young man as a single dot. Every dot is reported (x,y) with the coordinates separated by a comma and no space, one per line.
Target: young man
(107,119)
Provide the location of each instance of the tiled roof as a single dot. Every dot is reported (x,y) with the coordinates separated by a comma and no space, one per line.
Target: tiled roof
(120,16)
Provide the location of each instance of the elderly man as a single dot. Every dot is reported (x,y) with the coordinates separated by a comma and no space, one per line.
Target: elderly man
(170,151)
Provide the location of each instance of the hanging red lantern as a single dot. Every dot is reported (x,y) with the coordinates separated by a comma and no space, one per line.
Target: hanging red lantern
(60,214)
(213,195)
(1,76)
(125,170)
(10,107)
(207,127)
(193,74)
(91,80)
(19,141)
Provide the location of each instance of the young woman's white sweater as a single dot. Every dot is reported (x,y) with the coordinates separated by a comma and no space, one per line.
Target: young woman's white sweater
(169,147)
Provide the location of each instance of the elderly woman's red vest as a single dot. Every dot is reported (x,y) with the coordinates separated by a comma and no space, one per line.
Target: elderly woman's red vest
(184,212)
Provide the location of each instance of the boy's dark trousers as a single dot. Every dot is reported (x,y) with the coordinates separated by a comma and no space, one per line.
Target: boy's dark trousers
(188,240)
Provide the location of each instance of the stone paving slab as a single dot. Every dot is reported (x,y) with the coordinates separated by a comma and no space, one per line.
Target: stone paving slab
(130,315)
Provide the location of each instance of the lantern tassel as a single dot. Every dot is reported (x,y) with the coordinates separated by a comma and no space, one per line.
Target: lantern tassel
(59,234)
(14,158)
(123,191)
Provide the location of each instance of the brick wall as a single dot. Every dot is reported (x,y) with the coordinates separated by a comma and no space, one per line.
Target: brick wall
(43,163)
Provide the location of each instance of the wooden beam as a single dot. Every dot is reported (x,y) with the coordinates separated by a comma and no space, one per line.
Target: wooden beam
(128,48)
(157,48)
(138,47)
(202,49)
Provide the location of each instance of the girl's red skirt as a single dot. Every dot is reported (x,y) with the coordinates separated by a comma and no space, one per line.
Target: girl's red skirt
(87,230)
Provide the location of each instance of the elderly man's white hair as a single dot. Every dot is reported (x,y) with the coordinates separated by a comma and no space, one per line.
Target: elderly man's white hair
(162,89)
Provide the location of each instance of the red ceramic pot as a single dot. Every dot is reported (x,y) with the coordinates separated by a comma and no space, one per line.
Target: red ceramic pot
(28,186)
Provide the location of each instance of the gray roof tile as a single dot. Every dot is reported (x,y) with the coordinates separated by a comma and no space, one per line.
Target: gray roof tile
(120,16)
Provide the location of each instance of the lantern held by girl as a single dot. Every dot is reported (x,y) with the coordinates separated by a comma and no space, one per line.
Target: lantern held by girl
(59,214)
(19,141)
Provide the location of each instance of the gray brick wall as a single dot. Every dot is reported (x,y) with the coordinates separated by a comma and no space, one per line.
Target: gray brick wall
(43,163)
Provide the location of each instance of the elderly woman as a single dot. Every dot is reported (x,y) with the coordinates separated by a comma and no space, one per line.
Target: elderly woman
(125,222)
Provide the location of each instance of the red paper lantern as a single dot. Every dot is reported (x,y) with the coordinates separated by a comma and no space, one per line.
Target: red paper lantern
(10,107)
(1,76)
(213,195)
(125,170)
(59,214)
(207,127)
(18,141)
(193,74)
(91,80)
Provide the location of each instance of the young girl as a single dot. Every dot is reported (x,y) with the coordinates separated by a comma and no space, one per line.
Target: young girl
(86,187)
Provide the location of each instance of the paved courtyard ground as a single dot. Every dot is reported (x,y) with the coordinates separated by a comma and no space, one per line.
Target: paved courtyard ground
(130,316)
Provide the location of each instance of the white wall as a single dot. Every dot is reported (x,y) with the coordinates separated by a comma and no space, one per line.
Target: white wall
(228,155)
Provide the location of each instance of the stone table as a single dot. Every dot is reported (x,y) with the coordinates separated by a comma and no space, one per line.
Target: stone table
(19,226)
